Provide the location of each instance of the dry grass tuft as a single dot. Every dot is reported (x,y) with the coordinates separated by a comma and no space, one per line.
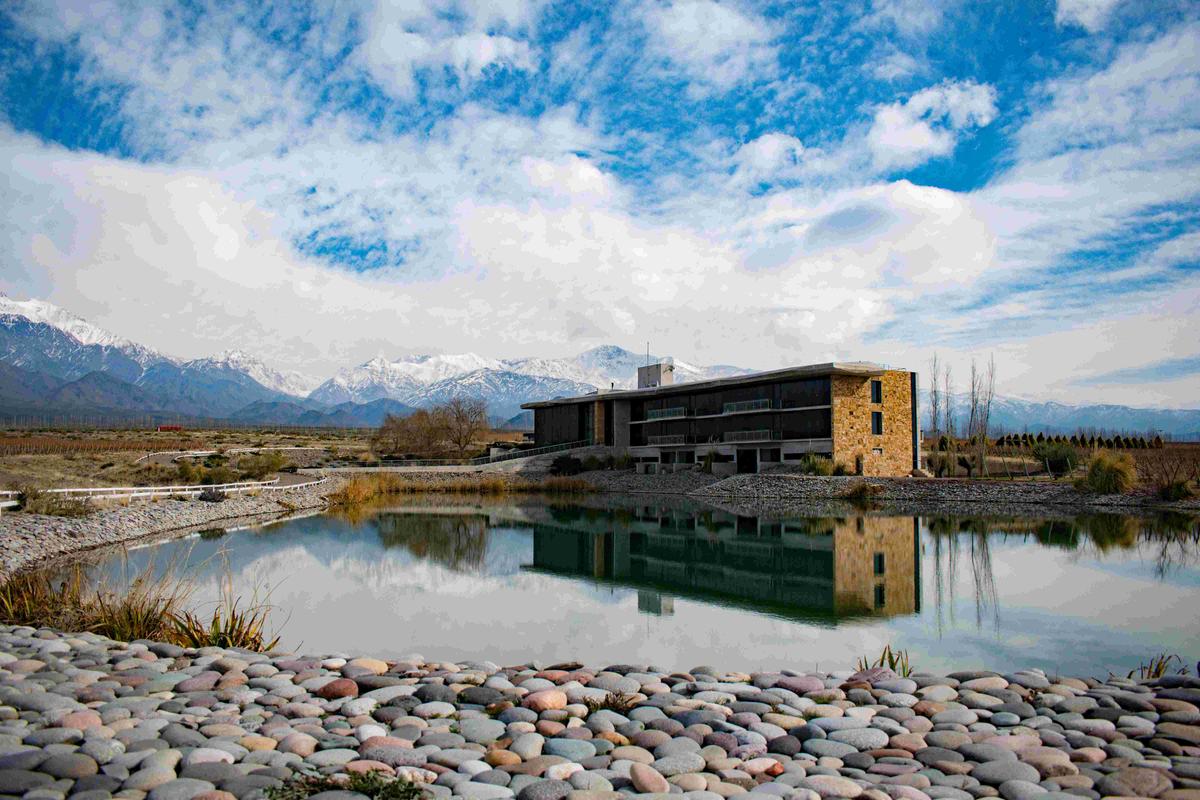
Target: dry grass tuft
(365,488)
(150,607)
(1108,473)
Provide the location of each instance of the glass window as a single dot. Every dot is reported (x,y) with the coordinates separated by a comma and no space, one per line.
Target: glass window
(880,565)
(876,391)
(880,599)
(877,423)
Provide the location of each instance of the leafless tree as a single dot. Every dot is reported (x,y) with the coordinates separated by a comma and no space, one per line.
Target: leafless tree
(948,403)
(466,421)
(935,395)
(423,433)
(987,393)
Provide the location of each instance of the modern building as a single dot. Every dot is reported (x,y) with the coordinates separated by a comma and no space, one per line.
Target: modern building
(863,416)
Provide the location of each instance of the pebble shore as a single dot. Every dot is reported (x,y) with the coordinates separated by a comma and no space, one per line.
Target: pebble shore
(28,540)
(89,718)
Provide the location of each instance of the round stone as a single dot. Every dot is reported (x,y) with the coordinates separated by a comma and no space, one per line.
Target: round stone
(995,773)
(545,700)
(831,786)
(647,780)
(180,789)
(545,790)
(481,731)
(69,765)
(341,687)
(571,749)
(861,738)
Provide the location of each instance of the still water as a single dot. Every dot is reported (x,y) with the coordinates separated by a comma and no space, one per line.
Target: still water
(676,585)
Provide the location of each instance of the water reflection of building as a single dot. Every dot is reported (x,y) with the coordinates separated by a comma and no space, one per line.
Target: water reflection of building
(803,567)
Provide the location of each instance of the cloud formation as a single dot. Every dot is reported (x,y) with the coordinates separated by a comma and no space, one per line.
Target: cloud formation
(737,182)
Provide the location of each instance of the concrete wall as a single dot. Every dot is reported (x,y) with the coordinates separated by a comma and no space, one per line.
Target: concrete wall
(852,437)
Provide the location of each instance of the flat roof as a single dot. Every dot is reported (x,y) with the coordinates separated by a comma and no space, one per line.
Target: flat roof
(859,368)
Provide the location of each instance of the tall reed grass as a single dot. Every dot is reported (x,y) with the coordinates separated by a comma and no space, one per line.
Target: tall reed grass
(365,488)
(155,605)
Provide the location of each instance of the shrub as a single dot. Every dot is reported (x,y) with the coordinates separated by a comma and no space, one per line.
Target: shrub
(34,501)
(706,463)
(1058,458)
(1108,473)
(370,784)
(816,465)
(592,463)
(566,465)
(1175,491)
(841,470)
(1157,442)
(939,464)
(258,466)
(861,492)
(967,463)
(943,443)
(215,475)
(623,461)
(212,496)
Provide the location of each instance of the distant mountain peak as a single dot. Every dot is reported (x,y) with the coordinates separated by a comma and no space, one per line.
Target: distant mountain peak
(76,327)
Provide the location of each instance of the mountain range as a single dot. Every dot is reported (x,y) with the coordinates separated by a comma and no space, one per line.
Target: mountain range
(56,367)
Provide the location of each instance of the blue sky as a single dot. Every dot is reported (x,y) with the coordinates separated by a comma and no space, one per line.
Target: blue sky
(736,182)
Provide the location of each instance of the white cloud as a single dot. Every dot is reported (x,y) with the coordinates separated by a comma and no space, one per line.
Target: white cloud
(928,124)
(715,43)
(765,156)
(405,37)
(1092,15)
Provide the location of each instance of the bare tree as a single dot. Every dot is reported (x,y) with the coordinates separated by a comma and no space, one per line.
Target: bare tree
(423,433)
(973,403)
(948,404)
(935,395)
(987,394)
(466,421)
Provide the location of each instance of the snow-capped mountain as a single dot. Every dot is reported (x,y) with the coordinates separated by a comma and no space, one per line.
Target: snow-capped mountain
(294,384)
(409,379)
(78,328)
(503,391)
(1019,415)
(379,378)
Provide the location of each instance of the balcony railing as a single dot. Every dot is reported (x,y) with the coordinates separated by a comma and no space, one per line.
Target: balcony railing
(764,435)
(671,439)
(666,413)
(745,405)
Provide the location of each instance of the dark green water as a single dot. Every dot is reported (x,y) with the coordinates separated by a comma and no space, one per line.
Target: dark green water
(676,585)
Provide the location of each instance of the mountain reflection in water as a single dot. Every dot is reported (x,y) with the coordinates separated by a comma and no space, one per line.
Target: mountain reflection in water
(676,582)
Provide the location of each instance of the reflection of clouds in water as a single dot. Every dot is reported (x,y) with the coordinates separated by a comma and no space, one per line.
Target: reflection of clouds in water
(455,588)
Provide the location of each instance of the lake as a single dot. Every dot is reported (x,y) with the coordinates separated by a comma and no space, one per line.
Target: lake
(678,584)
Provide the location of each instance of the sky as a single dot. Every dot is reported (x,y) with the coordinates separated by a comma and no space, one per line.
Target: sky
(759,184)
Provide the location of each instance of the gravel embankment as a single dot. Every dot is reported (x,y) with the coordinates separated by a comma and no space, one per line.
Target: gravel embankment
(91,718)
(31,539)
(915,495)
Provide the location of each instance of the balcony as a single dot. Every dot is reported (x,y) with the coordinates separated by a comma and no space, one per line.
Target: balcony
(672,439)
(746,405)
(666,413)
(764,435)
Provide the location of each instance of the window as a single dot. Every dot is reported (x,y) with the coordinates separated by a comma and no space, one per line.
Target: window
(877,423)
(876,391)
(879,564)
(880,599)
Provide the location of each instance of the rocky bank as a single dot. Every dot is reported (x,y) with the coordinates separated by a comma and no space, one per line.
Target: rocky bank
(90,718)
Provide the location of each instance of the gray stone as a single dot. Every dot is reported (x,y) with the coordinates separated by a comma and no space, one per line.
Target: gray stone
(545,790)
(679,764)
(571,749)
(481,731)
(1020,790)
(994,773)
(861,738)
(180,789)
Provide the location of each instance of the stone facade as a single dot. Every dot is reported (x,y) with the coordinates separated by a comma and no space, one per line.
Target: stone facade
(889,454)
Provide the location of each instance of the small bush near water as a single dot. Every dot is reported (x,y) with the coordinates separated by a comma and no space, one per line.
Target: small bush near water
(895,660)
(150,607)
(34,501)
(1059,458)
(816,465)
(566,465)
(1108,473)
(861,492)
